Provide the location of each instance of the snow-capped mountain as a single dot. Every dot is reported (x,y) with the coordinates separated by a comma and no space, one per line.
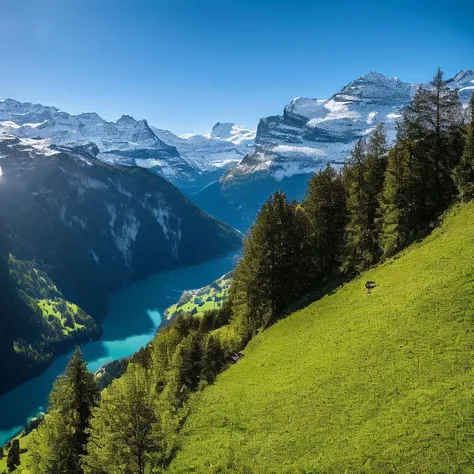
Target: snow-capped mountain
(312,132)
(188,162)
(463,81)
(222,148)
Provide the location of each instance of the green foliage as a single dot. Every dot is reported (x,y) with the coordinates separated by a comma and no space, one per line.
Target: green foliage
(267,278)
(401,222)
(464,171)
(125,429)
(198,302)
(13,458)
(325,209)
(354,383)
(419,180)
(363,177)
(61,439)
(55,318)
(432,123)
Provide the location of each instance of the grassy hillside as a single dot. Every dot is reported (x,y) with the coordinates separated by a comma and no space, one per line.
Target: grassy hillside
(355,382)
(196,302)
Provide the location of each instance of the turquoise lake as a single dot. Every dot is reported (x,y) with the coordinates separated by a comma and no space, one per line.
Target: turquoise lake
(133,318)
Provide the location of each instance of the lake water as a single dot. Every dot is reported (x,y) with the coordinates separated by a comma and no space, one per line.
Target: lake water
(133,318)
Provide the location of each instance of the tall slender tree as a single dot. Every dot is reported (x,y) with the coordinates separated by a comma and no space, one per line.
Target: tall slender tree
(363,177)
(61,438)
(464,171)
(264,281)
(433,122)
(400,202)
(325,208)
(13,458)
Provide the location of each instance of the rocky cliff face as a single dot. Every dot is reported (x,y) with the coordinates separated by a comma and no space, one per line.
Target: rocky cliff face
(84,228)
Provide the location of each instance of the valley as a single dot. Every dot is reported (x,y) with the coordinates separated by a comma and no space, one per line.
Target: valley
(135,314)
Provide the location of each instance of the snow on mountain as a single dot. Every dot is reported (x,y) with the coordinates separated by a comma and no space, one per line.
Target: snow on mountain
(312,132)
(236,134)
(464,82)
(127,141)
(189,162)
(222,148)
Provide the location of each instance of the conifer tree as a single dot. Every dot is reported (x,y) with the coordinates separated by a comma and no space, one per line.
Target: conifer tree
(433,124)
(187,363)
(61,438)
(363,177)
(13,458)
(264,280)
(125,433)
(325,208)
(464,171)
(213,359)
(400,203)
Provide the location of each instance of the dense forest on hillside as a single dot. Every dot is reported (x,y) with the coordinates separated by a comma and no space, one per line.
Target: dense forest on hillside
(384,199)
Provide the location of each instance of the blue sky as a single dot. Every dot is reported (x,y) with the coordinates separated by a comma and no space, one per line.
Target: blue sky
(186,64)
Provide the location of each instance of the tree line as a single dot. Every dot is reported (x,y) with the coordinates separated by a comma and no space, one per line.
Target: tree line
(383,199)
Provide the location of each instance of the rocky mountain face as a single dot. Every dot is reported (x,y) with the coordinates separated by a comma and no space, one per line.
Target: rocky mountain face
(310,133)
(189,162)
(74,229)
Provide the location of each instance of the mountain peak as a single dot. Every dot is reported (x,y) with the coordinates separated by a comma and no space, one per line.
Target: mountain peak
(222,130)
(464,78)
(374,76)
(126,119)
(375,86)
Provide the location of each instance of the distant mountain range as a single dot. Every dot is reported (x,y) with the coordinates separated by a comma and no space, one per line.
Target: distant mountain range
(230,171)
(190,162)
(310,133)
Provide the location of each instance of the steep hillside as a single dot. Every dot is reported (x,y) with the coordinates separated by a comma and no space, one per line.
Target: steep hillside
(355,382)
(74,229)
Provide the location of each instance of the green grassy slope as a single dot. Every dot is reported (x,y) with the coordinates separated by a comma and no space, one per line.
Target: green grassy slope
(355,383)
(204,299)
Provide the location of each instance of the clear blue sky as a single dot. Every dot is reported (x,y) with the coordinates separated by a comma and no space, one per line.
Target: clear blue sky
(186,64)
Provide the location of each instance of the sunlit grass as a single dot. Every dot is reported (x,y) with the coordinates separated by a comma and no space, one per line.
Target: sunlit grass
(355,382)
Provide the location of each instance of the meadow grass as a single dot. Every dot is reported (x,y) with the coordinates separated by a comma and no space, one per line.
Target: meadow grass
(354,382)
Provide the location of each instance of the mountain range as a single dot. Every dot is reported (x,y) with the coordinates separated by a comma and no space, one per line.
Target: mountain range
(310,133)
(190,162)
(230,171)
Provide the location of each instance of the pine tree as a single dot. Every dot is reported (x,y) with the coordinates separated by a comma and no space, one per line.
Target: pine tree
(325,208)
(264,281)
(61,438)
(187,363)
(125,433)
(13,458)
(464,171)
(363,177)
(400,201)
(213,359)
(433,124)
